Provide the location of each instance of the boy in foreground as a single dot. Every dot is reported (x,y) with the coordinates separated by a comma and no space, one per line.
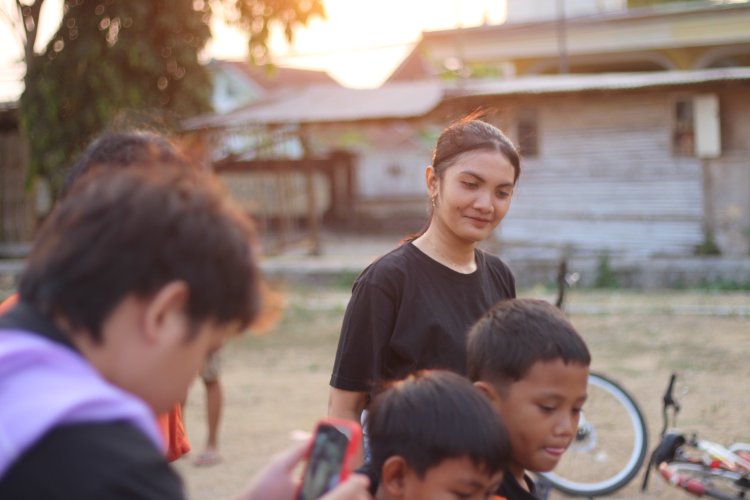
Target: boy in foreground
(533,366)
(133,280)
(433,436)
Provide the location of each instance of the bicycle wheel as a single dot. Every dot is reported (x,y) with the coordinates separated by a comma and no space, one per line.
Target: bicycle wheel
(610,445)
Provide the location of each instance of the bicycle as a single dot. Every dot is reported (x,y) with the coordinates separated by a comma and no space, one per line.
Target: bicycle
(612,439)
(698,466)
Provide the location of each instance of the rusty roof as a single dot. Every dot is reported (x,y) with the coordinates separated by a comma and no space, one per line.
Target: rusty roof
(331,103)
(411,99)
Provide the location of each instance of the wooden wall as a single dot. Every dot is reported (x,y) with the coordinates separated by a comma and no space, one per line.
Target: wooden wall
(606,180)
(17,219)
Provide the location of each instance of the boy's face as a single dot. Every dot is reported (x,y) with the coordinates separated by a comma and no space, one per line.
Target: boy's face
(451,479)
(151,347)
(541,413)
(185,355)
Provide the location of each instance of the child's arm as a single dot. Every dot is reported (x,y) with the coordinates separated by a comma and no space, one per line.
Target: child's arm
(348,405)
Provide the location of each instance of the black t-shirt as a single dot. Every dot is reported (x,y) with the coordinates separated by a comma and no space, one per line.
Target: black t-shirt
(409,312)
(92,461)
(112,460)
(511,490)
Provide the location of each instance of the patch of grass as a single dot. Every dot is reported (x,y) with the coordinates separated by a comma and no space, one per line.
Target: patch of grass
(344,279)
(605,274)
(724,286)
(708,247)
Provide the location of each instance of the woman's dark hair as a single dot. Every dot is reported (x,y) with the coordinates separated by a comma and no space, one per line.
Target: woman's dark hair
(516,333)
(470,135)
(131,231)
(432,416)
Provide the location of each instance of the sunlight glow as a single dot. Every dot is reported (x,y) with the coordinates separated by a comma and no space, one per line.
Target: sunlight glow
(363,41)
(360,43)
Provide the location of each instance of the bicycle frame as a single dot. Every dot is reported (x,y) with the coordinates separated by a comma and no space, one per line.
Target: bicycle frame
(699,466)
(683,475)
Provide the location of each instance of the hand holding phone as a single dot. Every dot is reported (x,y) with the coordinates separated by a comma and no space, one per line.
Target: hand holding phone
(333,447)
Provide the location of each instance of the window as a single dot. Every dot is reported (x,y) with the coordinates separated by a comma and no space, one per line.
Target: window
(683,132)
(528,132)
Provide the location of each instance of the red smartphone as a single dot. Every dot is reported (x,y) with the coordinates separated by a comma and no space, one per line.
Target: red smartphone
(329,458)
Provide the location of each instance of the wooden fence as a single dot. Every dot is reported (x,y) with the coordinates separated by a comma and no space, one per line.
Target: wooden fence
(17,220)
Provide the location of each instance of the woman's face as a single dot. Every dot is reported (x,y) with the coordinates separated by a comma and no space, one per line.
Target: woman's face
(473,196)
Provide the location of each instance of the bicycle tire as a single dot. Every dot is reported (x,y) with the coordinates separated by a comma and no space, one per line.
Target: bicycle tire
(716,483)
(607,454)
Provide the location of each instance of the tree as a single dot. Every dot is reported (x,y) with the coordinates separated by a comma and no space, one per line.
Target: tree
(136,59)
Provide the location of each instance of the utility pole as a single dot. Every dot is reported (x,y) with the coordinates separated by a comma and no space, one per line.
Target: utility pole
(561,37)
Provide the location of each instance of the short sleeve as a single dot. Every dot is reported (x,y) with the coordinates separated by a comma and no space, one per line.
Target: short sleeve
(366,329)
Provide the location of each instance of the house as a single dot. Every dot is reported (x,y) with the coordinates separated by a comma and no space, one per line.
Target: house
(630,120)
(639,149)
(374,127)
(236,83)
(590,37)
(630,164)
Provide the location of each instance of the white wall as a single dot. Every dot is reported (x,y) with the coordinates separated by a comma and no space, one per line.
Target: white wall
(525,11)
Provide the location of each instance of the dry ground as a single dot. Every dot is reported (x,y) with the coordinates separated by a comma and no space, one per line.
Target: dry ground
(278,383)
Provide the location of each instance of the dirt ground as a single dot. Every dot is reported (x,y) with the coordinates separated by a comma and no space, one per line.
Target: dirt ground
(277,383)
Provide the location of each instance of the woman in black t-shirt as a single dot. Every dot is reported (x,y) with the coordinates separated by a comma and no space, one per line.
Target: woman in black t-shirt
(411,309)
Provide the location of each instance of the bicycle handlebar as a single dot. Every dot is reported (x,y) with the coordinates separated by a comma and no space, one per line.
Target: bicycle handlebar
(668,398)
(668,401)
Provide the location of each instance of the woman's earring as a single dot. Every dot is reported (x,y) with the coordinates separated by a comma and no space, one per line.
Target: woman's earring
(433,201)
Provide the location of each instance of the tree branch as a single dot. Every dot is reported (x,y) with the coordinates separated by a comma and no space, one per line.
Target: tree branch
(36,9)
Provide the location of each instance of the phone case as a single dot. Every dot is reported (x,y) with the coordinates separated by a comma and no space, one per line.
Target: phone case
(329,458)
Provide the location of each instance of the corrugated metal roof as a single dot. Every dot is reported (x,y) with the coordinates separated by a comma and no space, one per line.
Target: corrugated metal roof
(271,78)
(331,103)
(548,84)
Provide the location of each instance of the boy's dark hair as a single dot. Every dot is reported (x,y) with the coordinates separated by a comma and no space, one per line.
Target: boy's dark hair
(123,149)
(134,230)
(515,334)
(432,416)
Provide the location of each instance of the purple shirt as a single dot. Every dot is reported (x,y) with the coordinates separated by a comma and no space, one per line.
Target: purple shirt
(44,384)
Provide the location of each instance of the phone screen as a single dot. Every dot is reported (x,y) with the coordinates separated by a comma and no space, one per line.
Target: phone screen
(324,464)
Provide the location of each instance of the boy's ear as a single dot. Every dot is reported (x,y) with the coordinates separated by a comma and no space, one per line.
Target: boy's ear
(489,392)
(393,476)
(168,305)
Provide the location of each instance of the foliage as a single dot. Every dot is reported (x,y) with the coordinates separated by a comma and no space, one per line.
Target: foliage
(605,275)
(129,62)
(724,285)
(708,247)
(256,17)
(106,58)
(633,4)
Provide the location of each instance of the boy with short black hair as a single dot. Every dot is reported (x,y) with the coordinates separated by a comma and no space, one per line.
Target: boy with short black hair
(134,278)
(530,362)
(433,435)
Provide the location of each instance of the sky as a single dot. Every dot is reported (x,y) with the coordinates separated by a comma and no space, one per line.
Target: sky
(360,43)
